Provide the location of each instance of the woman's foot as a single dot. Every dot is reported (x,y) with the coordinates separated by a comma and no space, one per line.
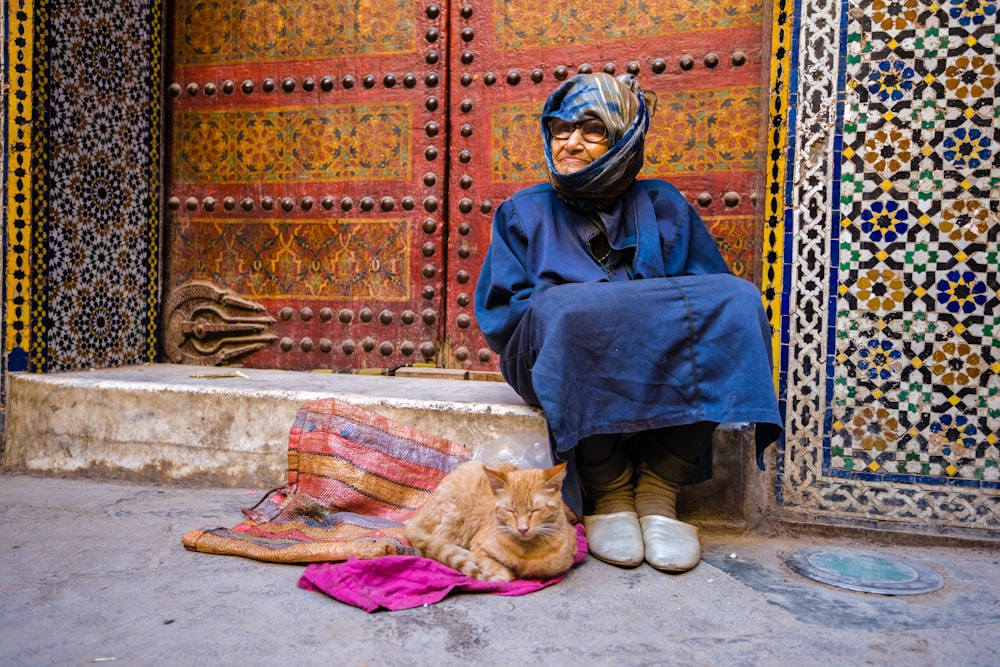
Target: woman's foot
(670,545)
(615,538)
(613,531)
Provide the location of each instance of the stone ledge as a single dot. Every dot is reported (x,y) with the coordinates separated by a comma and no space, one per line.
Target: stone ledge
(164,423)
(169,423)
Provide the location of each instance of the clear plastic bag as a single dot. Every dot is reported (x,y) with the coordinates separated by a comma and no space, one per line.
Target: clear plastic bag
(524,450)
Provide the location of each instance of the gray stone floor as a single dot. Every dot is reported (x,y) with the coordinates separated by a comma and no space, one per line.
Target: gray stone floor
(94,572)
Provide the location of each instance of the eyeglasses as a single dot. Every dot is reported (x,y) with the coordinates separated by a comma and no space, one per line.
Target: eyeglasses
(593,130)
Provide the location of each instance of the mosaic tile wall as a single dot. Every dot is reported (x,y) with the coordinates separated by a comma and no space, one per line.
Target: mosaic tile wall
(890,361)
(84,184)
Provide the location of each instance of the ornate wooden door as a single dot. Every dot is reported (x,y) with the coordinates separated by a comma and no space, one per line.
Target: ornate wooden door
(335,165)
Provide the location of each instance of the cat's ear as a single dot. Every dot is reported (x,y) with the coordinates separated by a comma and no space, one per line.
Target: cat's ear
(496,478)
(554,476)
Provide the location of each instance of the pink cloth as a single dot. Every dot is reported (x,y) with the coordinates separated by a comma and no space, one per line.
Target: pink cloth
(404,582)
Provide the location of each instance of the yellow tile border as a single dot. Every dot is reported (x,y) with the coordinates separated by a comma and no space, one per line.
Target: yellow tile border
(772,265)
(20,48)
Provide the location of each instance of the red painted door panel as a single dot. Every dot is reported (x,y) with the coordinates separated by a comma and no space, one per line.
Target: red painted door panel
(306,183)
(701,58)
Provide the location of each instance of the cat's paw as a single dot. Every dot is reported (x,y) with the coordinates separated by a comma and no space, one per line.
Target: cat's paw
(472,570)
(493,571)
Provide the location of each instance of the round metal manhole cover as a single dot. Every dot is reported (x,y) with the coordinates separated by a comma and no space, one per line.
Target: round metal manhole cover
(864,571)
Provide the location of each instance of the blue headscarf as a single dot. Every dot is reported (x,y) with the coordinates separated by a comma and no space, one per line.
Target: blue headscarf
(620,103)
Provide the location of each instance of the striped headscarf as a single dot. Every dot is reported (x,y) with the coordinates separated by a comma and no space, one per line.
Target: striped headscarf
(620,103)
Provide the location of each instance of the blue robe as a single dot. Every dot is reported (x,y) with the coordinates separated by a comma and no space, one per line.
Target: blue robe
(666,337)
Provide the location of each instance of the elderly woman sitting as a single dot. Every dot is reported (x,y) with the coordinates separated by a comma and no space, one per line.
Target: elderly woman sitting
(613,310)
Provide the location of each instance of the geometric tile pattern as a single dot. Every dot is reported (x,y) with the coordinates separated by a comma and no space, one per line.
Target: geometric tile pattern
(95,184)
(893,366)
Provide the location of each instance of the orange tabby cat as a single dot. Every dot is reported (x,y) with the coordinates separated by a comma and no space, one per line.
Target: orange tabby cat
(497,524)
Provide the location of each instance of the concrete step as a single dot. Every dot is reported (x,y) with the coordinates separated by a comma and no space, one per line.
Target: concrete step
(168,423)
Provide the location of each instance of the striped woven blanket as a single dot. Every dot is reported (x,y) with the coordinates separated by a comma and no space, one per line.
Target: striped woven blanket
(354,477)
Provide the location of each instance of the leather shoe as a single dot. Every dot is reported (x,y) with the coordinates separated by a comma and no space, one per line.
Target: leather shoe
(615,538)
(670,545)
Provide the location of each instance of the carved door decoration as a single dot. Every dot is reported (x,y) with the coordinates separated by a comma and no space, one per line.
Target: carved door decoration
(323,154)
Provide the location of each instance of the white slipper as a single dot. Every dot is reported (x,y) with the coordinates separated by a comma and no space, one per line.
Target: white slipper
(670,545)
(615,538)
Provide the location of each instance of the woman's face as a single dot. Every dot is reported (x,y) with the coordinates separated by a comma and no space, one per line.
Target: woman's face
(581,144)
